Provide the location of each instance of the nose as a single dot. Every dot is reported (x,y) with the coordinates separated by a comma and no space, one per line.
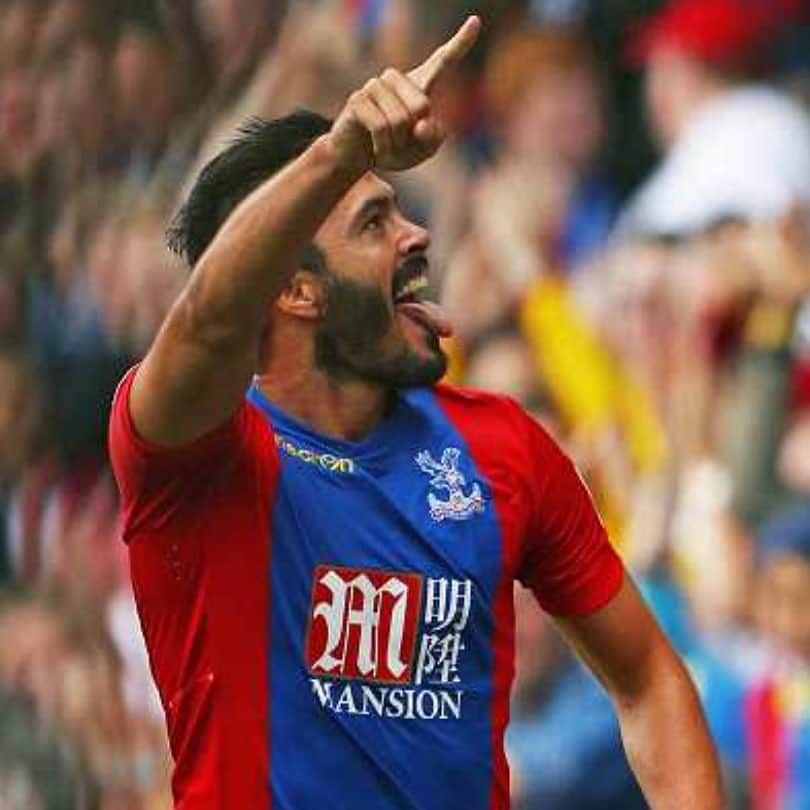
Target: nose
(414,238)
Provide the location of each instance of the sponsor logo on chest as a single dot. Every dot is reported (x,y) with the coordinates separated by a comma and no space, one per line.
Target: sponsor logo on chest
(325,461)
(387,643)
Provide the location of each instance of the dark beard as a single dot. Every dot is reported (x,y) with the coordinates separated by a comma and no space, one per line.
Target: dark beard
(357,317)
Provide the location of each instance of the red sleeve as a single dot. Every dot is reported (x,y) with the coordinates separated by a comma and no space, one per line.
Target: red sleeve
(155,481)
(568,560)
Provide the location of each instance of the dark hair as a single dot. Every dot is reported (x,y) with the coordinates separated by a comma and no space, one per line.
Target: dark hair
(260,149)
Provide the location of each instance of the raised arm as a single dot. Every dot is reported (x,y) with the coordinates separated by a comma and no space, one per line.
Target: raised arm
(662,724)
(196,372)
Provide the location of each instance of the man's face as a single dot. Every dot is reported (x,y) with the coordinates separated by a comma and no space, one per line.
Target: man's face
(674,84)
(784,602)
(377,323)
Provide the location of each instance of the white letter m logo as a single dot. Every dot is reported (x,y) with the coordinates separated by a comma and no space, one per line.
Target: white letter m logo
(363,623)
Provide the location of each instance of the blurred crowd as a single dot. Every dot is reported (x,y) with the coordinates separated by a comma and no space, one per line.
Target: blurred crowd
(621,233)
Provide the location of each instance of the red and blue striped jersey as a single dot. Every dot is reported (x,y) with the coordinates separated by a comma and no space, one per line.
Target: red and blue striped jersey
(330,623)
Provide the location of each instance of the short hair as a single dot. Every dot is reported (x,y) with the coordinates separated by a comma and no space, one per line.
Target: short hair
(260,149)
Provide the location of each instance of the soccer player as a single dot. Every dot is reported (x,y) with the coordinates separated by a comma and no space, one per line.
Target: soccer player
(323,540)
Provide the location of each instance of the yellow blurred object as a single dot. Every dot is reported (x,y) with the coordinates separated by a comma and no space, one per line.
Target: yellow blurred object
(590,388)
(593,393)
(455,361)
(793,696)
(769,325)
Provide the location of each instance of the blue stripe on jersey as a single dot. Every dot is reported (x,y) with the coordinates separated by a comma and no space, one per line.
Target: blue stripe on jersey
(357,512)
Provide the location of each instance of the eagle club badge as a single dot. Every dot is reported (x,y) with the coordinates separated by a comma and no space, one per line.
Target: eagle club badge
(445,476)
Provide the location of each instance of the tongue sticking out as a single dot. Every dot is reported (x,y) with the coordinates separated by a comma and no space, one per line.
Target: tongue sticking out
(430,315)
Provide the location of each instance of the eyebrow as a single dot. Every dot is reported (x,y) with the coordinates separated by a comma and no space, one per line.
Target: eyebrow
(379,203)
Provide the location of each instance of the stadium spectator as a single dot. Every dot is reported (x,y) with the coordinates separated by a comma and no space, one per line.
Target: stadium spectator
(735,149)
(777,711)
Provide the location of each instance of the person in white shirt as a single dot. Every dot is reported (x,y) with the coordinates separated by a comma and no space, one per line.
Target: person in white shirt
(734,149)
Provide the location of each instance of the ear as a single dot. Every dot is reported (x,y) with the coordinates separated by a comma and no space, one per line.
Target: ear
(304,296)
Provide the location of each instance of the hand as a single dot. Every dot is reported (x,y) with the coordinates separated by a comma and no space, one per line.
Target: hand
(779,255)
(390,123)
(515,212)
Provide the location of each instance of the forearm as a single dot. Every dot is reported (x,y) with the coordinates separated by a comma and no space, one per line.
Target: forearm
(198,368)
(668,744)
(260,245)
(195,374)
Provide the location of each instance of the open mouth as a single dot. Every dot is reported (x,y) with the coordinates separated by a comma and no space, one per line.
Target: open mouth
(410,282)
(410,290)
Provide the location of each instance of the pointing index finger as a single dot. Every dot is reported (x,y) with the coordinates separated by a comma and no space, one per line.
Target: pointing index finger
(424,76)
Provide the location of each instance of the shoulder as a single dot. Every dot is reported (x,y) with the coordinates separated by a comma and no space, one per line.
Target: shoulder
(246,432)
(473,403)
(494,422)
(472,397)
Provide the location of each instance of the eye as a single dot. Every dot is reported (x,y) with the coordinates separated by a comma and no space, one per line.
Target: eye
(374,223)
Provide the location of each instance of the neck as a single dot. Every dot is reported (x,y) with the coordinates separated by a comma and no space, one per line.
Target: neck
(345,410)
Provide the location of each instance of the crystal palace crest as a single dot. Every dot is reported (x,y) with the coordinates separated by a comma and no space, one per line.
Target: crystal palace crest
(446,477)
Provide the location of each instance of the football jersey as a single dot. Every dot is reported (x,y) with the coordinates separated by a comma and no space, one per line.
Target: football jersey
(330,623)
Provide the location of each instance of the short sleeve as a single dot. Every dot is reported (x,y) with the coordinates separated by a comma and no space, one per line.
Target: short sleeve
(568,560)
(155,481)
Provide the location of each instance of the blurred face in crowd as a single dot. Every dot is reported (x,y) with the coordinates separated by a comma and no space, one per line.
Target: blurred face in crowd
(86,86)
(220,18)
(504,365)
(372,320)
(53,111)
(17,118)
(233,25)
(147,281)
(18,30)
(637,308)
(543,90)
(110,270)
(674,84)
(64,249)
(558,117)
(783,604)
(62,20)
(143,81)
(33,644)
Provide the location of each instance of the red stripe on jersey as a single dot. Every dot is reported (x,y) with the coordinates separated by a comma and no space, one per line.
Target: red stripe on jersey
(239,599)
(551,537)
(481,428)
(197,520)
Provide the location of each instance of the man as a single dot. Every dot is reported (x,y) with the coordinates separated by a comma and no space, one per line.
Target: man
(734,148)
(776,715)
(324,568)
